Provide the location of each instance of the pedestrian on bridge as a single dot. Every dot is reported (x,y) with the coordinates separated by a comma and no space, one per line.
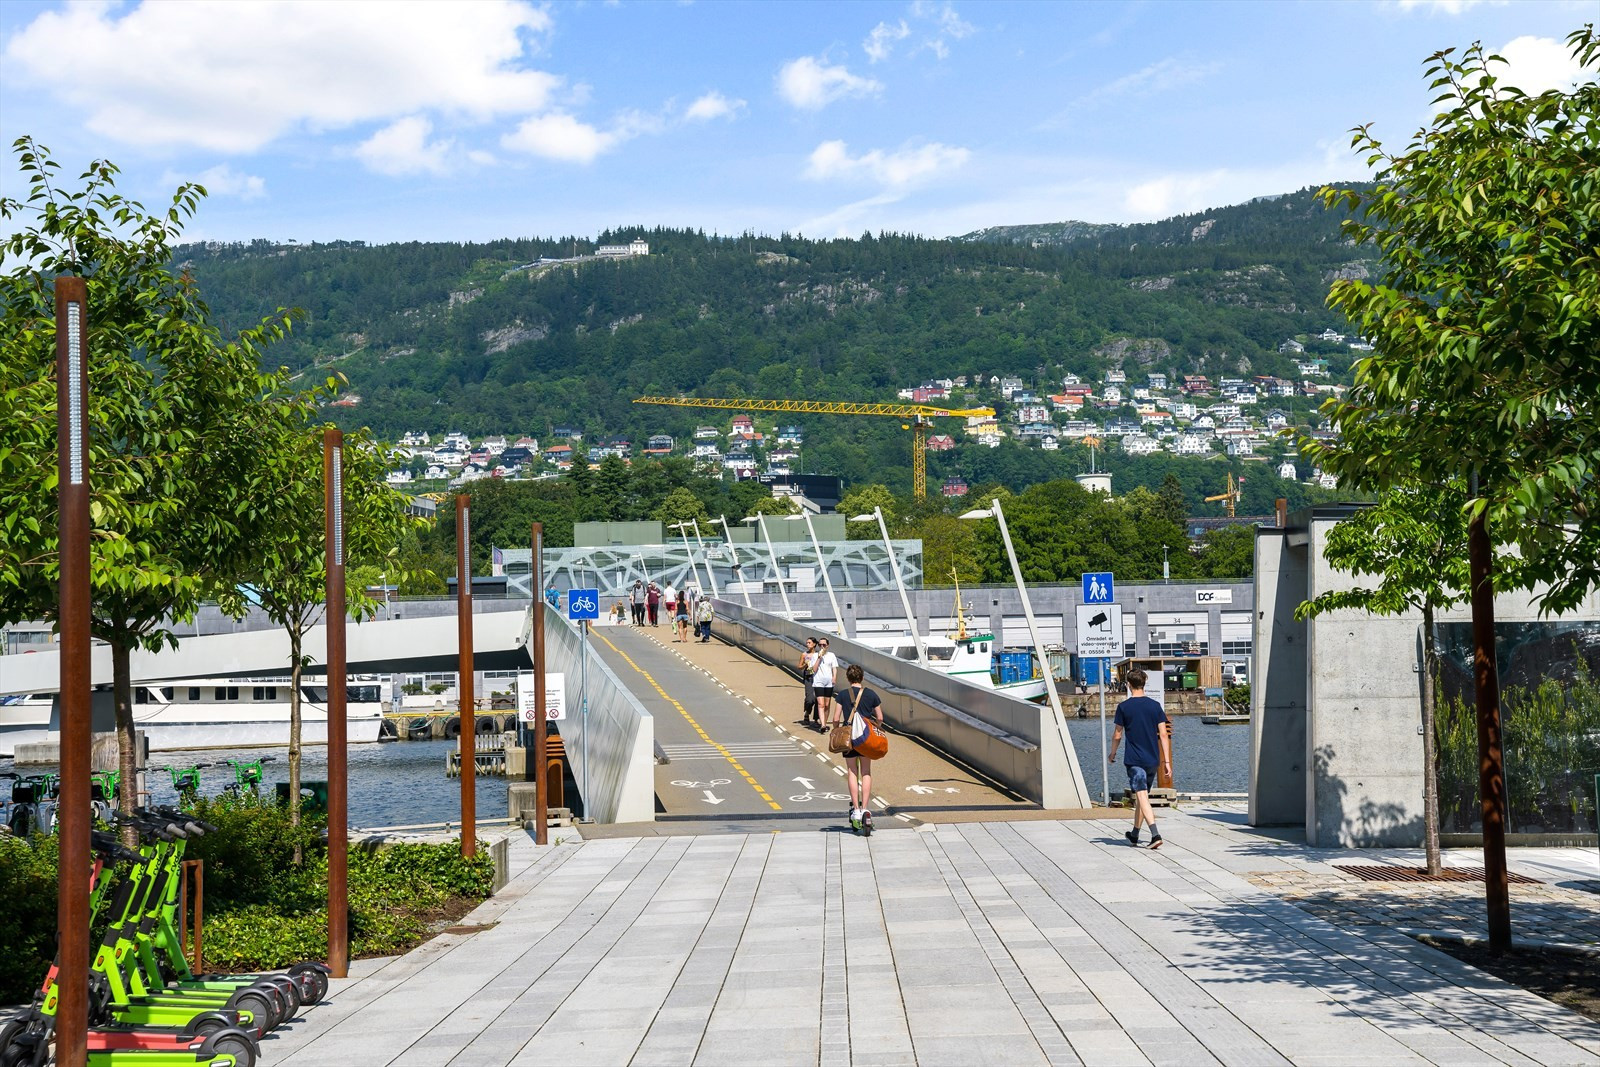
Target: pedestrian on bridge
(807,668)
(652,602)
(680,617)
(703,614)
(856,699)
(822,682)
(1145,722)
(636,602)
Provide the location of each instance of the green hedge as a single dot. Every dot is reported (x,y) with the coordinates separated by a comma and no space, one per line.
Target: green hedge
(262,910)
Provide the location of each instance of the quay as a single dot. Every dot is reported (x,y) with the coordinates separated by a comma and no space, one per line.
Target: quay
(1033,941)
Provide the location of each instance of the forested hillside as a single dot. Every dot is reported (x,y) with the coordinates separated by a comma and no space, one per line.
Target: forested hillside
(484,338)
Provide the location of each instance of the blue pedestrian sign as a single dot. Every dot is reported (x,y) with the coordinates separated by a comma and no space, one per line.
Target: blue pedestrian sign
(583,604)
(1098,588)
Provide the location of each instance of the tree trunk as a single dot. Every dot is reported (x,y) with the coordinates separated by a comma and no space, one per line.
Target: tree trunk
(127,751)
(294,737)
(1430,765)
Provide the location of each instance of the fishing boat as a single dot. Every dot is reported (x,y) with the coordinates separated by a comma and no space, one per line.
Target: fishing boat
(213,713)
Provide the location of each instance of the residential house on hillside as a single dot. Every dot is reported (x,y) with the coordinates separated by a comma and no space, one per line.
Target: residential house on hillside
(1078,428)
(707,451)
(1291,347)
(953,487)
(1182,409)
(1157,381)
(517,456)
(456,441)
(558,453)
(1239,447)
(790,435)
(1035,429)
(706,433)
(1271,386)
(1026,413)
(1312,368)
(493,445)
(414,439)
(1120,425)
(743,424)
(636,247)
(1049,443)
(1112,394)
(927,394)
(940,442)
(1331,336)
(1287,472)
(437,472)
(1010,387)
(659,444)
(1138,444)
(1192,443)
(567,433)
(1195,384)
(1070,379)
(1116,376)
(1276,419)
(1223,412)
(401,477)
(530,443)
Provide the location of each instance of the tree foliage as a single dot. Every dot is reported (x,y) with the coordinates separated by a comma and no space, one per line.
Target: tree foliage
(1486,317)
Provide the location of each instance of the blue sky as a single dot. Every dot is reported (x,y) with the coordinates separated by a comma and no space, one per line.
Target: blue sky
(493,118)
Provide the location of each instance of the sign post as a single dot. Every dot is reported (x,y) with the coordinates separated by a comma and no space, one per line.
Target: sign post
(541,815)
(333,619)
(583,607)
(1099,632)
(465,685)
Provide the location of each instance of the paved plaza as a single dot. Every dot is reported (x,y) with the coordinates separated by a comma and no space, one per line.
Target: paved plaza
(1004,942)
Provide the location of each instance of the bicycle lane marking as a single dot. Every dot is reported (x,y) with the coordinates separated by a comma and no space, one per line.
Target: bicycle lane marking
(698,729)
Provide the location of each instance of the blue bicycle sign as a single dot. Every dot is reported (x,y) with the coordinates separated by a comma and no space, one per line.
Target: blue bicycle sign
(583,604)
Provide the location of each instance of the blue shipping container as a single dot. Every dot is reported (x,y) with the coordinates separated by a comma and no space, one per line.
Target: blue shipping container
(1089,671)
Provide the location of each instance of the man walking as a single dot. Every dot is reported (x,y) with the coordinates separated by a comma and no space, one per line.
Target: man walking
(1144,723)
(636,602)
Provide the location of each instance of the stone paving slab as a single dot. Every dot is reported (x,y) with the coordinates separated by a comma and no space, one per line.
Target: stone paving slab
(1047,942)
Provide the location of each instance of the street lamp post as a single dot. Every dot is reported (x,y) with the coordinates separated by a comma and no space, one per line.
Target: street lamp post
(683,532)
(894,568)
(999,515)
(733,554)
(711,578)
(823,565)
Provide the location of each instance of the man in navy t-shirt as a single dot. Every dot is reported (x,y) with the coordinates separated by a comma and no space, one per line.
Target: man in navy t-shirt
(1144,723)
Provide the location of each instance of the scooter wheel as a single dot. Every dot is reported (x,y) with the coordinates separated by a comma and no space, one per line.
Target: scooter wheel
(210,1022)
(236,1045)
(313,986)
(289,990)
(259,1004)
(8,1054)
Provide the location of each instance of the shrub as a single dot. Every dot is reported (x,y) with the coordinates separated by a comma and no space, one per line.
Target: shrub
(27,914)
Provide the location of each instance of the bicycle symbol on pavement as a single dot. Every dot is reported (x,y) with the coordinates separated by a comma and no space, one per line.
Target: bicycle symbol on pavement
(802,798)
(703,785)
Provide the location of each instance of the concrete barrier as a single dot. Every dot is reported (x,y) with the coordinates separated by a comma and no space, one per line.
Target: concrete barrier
(1013,742)
(622,734)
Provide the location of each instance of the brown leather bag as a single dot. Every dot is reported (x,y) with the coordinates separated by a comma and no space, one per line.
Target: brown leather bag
(839,738)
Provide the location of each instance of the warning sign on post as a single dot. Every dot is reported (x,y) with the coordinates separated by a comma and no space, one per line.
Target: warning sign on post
(555,697)
(1099,631)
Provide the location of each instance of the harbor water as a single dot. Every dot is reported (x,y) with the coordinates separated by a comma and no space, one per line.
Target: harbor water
(1206,759)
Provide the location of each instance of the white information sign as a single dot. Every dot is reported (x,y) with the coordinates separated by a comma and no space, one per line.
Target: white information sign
(555,697)
(1213,596)
(1100,631)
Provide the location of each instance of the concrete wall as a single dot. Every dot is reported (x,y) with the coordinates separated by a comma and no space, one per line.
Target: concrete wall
(1343,691)
(620,749)
(1278,686)
(1015,743)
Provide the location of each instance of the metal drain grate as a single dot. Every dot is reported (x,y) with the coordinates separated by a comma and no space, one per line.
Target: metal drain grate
(1420,874)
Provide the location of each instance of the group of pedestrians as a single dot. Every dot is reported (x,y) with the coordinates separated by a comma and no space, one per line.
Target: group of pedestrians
(684,608)
(828,705)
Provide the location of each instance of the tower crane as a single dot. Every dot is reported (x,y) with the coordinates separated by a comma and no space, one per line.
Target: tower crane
(1230,498)
(919,416)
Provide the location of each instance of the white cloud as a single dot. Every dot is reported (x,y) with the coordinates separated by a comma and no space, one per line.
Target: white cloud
(1441,7)
(809,84)
(234,75)
(947,25)
(831,160)
(559,136)
(713,105)
(1538,64)
(403,148)
(881,41)
(221,180)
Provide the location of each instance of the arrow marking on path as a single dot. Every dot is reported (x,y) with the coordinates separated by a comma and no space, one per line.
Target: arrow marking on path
(920,789)
(712,798)
(806,783)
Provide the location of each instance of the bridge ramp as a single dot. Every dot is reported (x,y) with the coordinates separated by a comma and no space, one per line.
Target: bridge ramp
(741,761)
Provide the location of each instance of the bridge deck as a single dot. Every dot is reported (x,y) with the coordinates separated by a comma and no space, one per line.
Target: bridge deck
(740,760)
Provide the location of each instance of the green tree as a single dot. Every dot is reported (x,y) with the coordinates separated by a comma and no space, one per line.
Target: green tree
(681,505)
(173,408)
(1414,542)
(611,489)
(861,501)
(287,569)
(950,551)
(1174,502)
(775,505)
(1228,554)
(580,480)
(1486,317)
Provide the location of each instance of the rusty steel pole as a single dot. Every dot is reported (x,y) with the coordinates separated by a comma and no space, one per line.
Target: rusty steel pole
(1491,762)
(464,684)
(333,618)
(541,799)
(72,812)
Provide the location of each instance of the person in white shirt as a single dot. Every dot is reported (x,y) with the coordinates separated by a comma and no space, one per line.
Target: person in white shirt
(822,680)
(808,669)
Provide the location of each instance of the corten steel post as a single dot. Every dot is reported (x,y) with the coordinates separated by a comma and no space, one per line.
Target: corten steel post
(333,616)
(72,812)
(464,680)
(1491,766)
(541,785)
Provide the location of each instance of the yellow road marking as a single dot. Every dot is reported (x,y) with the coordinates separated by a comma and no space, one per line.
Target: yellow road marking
(760,792)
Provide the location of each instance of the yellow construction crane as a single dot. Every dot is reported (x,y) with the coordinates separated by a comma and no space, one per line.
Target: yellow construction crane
(1229,498)
(920,416)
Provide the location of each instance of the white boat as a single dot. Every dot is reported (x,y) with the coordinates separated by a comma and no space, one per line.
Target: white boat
(975,658)
(214,713)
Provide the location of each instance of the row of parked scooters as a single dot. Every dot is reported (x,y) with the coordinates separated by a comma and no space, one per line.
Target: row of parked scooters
(146,1006)
(32,809)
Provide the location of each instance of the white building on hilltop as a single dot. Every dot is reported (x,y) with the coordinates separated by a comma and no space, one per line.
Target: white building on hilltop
(633,248)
